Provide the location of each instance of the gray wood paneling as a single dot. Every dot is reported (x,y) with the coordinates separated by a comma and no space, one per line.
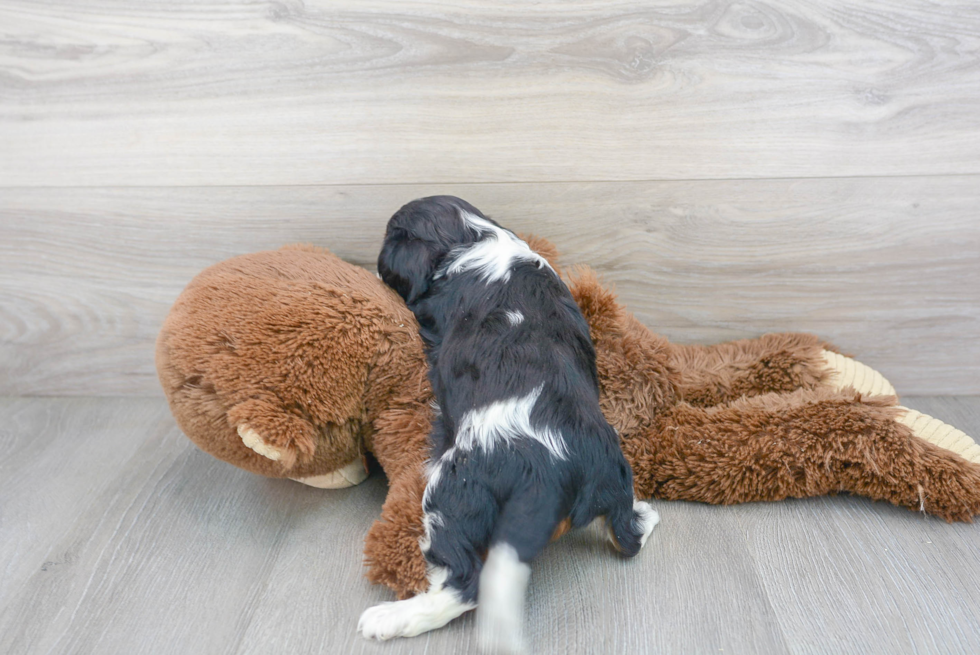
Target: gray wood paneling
(127,539)
(889,268)
(106,92)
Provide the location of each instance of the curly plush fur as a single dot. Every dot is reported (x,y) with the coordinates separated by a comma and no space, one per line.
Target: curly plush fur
(324,363)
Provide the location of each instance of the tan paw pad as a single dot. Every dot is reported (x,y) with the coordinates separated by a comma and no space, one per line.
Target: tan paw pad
(348,475)
(253,440)
(945,436)
(846,372)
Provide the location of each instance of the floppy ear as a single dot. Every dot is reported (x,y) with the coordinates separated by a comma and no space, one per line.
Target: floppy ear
(406,265)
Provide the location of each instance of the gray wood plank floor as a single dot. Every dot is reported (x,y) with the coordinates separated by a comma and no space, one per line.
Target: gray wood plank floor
(118,536)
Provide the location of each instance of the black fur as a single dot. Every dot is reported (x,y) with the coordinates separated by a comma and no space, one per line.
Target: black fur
(519,492)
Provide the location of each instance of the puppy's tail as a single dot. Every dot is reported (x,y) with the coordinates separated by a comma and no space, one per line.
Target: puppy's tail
(500,611)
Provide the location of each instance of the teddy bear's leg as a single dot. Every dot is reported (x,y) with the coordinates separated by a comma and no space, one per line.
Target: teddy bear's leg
(806,443)
(847,373)
(710,375)
(773,363)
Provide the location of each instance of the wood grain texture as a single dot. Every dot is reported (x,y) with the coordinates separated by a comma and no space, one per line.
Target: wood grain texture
(58,458)
(848,577)
(106,92)
(143,544)
(887,268)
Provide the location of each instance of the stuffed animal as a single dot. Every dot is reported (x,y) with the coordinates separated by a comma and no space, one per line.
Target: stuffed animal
(294,364)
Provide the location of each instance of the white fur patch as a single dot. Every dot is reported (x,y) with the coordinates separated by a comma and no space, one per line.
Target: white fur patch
(515,318)
(430,520)
(503,585)
(492,257)
(434,472)
(645,520)
(506,420)
(408,618)
(647,517)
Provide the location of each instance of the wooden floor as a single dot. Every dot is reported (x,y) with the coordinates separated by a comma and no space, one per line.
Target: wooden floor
(119,536)
(731,167)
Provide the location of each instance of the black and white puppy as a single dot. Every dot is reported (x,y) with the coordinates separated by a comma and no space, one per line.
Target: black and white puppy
(519,444)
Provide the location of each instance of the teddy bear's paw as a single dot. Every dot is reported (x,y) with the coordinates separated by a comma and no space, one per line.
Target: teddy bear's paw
(846,372)
(254,441)
(940,434)
(348,475)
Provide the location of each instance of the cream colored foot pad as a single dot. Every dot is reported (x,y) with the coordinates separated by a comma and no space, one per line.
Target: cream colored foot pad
(346,476)
(945,436)
(252,439)
(847,372)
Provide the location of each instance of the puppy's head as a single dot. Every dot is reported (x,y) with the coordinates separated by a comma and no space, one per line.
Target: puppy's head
(419,237)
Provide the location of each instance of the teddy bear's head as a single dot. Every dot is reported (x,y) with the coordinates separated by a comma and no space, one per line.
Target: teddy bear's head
(279,362)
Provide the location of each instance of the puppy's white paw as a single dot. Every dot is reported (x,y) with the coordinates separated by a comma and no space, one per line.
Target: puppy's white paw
(384,621)
(254,440)
(648,519)
(408,618)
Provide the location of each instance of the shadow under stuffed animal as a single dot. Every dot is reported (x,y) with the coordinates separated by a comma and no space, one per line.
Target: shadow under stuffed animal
(294,364)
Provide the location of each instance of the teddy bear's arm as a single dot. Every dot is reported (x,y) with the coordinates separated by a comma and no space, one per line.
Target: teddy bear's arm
(805,443)
(391,549)
(400,443)
(779,363)
(271,431)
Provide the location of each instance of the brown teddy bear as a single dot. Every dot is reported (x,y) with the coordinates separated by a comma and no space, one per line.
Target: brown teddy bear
(292,363)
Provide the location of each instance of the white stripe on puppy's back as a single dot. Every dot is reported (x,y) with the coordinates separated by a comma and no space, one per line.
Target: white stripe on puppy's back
(515,318)
(492,257)
(430,520)
(507,420)
(433,472)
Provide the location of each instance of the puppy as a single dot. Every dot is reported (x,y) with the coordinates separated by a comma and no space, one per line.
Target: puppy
(520,448)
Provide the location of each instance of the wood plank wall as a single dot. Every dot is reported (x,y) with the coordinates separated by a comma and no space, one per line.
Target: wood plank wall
(732,168)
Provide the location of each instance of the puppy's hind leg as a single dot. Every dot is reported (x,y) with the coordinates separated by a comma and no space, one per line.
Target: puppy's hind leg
(628,520)
(630,527)
(457,529)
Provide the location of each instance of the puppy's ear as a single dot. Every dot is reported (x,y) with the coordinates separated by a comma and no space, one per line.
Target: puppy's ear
(406,264)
